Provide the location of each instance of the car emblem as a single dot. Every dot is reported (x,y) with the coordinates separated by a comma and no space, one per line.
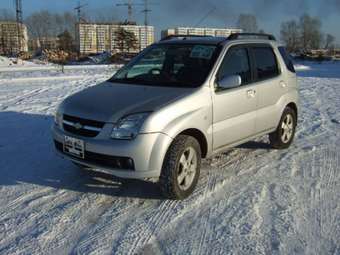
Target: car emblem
(78,126)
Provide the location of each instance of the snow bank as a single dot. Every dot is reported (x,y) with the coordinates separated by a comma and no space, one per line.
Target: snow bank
(5,61)
(326,69)
(300,67)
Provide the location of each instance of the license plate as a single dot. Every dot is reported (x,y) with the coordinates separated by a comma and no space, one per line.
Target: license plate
(74,147)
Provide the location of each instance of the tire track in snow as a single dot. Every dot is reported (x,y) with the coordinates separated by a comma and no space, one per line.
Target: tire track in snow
(43,213)
(215,181)
(97,236)
(45,205)
(149,225)
(18,99)
(32,195)
(319,216)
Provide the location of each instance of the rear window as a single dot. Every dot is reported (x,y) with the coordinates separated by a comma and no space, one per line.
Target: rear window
(287,59)
(265,63)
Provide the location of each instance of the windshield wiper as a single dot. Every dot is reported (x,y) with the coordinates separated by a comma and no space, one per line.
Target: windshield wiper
(128,80)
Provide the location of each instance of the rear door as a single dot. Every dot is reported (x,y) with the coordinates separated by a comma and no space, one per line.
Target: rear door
(234,109)
(270,86)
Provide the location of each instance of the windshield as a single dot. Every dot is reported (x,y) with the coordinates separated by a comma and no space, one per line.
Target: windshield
(177,65)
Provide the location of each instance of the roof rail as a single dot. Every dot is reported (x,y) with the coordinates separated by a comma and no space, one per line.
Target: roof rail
(236,36)
(169,37)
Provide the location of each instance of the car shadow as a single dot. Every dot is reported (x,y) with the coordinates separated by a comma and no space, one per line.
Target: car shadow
(27,155)
(255,145)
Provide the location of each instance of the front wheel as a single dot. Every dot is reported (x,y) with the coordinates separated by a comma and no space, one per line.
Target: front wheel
(283,136)
(181,168)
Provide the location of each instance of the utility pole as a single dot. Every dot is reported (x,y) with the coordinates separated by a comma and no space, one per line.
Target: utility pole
(146,21)
(18,10)
(146,11)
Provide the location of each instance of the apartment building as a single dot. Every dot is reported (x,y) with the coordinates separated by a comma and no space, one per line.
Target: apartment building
(100,37)
(219,32)
(13,38)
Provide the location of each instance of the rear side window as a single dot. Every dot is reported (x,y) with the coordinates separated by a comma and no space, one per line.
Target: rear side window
(236,62)
(266,65)
(287,59)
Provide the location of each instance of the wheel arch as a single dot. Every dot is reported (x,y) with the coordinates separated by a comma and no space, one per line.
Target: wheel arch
(200,137)
(294,107)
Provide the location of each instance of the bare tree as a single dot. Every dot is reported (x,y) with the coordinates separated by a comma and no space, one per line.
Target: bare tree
(65,41)
(311,35)
(330,39)
(290,35)
(248,23)
(39,24)
(45,24)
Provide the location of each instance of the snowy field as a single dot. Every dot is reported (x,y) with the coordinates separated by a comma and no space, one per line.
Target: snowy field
(250,200)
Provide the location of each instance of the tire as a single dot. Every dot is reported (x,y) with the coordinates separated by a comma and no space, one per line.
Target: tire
(181,168)
(283,136)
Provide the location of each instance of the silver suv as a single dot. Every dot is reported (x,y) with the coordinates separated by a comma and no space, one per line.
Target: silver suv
(180,100)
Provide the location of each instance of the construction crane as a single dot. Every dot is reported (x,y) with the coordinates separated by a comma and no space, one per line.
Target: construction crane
(78,9)
(129,4)
(18,11)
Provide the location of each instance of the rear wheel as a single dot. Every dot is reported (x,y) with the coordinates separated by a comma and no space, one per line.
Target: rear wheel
(181,168)
(283,136)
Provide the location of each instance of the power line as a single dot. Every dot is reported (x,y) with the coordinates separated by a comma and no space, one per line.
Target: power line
(205,16)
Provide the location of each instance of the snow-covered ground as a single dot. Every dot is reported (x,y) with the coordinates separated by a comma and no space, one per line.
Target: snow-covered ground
(250,200)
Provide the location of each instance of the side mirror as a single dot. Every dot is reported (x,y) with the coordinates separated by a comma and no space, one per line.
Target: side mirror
(230,82)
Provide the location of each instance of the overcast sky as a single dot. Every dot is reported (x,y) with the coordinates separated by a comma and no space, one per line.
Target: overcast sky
(170,13)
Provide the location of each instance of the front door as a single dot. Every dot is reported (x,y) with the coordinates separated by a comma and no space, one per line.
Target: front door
(234,109)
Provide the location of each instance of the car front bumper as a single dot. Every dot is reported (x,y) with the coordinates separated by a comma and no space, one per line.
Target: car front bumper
(147,152)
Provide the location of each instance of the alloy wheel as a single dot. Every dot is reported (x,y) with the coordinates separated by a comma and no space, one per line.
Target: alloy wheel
(187,168)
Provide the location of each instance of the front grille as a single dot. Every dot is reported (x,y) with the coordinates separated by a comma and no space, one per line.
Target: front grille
(123,163)
(89,128)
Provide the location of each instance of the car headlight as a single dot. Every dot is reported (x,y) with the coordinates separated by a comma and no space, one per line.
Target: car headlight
(128,127)
(58,118)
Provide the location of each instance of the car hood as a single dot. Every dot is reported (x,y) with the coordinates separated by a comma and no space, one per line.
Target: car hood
(108,102)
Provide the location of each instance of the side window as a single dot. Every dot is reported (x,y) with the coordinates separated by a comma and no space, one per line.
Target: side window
(236,62)
(287,59)
(265,63)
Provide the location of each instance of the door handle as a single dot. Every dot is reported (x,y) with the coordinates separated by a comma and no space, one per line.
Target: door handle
(251,93)
(283,84)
